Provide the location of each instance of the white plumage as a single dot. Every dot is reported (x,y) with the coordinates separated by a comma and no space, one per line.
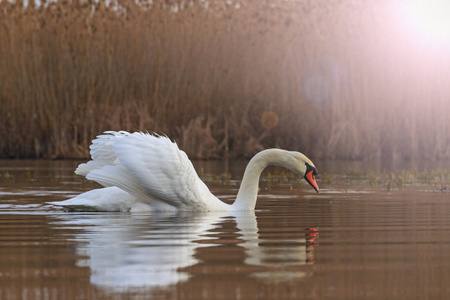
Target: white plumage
(142,171)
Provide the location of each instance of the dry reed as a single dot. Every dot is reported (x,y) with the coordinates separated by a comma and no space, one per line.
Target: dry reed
(340,86)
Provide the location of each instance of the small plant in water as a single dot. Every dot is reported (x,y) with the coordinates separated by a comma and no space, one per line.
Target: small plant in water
(222,179)
(5,174)
(355,174)
(329,178)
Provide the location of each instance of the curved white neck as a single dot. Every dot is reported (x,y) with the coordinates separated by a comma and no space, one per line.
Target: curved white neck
(248,191)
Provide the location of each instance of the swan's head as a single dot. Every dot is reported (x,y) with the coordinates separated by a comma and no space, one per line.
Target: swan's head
(292,160)
(306,168)
(310,176)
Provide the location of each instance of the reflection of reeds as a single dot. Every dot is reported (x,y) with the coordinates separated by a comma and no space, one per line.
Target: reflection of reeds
(205,77)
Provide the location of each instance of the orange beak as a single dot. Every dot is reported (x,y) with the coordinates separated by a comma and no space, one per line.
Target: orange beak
(311,178)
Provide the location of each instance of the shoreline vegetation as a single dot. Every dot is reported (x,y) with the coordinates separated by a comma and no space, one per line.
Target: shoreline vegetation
(224,79)
(434,180)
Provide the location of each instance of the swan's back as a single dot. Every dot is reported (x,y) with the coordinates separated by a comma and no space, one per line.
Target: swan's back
(150,167)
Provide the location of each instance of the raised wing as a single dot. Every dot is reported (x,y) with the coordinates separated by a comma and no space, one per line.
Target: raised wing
(153,169)
(102,152)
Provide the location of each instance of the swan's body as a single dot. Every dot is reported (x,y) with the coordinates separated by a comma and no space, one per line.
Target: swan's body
(141,171)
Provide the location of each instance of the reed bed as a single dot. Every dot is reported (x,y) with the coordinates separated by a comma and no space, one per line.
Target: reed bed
(335,79)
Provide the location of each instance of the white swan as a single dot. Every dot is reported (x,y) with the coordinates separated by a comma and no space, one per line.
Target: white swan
(141,171)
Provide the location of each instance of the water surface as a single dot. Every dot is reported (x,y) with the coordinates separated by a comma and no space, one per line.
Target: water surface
(350,241)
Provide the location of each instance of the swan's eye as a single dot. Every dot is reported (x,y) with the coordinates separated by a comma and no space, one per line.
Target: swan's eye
(310,168)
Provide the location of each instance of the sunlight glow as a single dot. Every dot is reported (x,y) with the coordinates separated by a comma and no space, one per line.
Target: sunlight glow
(432,17)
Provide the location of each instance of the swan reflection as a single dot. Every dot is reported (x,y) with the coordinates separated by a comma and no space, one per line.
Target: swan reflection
(126,251)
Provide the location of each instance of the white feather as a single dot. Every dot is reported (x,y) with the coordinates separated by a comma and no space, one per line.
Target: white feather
(141,171)
(106,199)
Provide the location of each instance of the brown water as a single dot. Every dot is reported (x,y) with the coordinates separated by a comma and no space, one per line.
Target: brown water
(350,241)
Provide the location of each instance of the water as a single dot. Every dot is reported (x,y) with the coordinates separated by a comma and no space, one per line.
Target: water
(350,241)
